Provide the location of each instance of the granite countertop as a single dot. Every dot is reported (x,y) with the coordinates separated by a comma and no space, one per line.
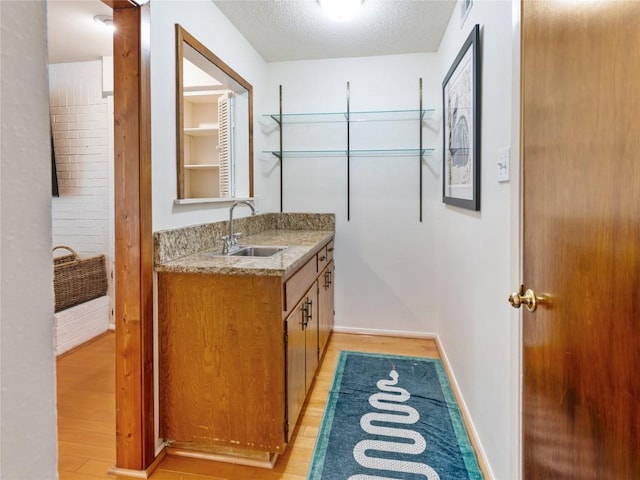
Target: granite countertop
(301,244)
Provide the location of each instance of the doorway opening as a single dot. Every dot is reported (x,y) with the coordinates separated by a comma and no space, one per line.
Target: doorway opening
(82,217)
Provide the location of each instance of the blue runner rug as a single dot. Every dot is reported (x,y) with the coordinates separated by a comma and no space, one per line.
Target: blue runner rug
(392,417)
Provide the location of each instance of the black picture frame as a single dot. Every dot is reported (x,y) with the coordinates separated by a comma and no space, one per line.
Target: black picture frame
(461,127)
(55,192)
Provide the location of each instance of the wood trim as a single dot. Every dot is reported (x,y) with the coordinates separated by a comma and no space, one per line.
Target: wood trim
(119,4)
(146,241)
(220,457)
(250,89)
(212,57)
(179,111)
(135,436)
(146,473)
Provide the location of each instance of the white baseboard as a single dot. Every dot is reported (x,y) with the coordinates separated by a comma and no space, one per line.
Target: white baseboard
(77,325)
(471,428)
(384,333)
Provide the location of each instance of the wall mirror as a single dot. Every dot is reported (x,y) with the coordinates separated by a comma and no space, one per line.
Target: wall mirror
(214,109)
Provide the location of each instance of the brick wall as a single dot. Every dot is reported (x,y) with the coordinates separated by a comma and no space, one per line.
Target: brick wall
(80,124)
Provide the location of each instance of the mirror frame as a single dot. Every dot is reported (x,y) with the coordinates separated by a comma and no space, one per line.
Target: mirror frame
(182,37)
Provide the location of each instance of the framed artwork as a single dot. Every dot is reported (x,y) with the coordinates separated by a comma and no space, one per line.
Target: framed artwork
(461,120)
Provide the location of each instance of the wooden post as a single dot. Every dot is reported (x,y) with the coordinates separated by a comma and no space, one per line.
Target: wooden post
(135,436)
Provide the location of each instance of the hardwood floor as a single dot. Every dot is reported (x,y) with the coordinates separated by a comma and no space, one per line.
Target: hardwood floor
(86,410)
(86,418)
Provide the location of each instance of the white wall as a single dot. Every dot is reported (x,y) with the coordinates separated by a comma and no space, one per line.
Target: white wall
(474,251)
(27,369)
(450,274)
(385,257)
(204,21)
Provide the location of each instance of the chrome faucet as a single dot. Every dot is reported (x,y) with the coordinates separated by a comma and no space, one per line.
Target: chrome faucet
(230,242)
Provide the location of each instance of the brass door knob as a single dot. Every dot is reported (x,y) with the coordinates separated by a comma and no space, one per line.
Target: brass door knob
(529,299)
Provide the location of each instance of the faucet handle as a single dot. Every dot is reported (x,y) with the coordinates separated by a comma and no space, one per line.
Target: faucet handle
(226,243)
(234,239)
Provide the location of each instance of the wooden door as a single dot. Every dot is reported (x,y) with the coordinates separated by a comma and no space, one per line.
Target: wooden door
(581,141)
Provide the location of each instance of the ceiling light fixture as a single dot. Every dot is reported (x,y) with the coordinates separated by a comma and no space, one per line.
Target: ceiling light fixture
(106,21)
(340,9)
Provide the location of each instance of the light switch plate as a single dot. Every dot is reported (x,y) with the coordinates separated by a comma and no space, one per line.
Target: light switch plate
(502,166)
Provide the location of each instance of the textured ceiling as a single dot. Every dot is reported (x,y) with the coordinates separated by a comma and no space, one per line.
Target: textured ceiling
(287,30)
(280,30)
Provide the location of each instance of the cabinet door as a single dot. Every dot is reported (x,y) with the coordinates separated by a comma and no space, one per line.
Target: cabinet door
(325,306)
(221,362)
(302,352)
(296,360)
(311,331)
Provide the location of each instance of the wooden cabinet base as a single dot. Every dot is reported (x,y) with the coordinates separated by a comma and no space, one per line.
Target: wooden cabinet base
(239,457)
(237,355)
(221,351)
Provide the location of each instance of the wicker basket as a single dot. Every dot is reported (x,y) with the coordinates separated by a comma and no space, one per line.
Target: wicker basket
(77,280)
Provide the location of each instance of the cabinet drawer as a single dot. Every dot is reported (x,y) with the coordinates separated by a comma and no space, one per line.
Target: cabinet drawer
(325,255)
(329,251)
(299,283)
(322,258)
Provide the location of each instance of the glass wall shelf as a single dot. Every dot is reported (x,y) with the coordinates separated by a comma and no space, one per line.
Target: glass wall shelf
(341,117)
(392,152)
(349,117)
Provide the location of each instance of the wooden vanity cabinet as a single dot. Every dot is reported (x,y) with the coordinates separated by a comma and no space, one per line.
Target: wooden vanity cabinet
(237,356)
(221,356)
